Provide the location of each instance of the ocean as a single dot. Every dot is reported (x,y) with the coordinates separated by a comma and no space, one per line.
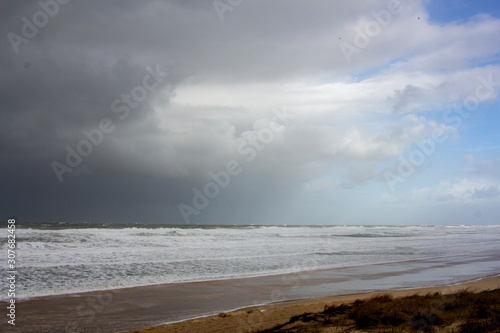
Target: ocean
(62,258)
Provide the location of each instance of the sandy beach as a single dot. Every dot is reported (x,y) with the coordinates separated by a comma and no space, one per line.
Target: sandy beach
(261,318)
(245,304)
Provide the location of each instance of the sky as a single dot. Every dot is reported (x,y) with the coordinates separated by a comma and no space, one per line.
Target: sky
(254,112)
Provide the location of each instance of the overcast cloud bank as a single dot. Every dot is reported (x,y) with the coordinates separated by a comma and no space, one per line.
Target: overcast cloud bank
(365,88)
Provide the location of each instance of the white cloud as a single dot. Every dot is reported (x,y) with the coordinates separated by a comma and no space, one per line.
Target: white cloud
(463,191)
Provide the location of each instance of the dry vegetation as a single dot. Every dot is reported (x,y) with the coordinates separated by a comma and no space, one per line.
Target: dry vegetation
(462,312)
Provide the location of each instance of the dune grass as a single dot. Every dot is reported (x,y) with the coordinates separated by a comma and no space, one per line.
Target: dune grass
(461,312)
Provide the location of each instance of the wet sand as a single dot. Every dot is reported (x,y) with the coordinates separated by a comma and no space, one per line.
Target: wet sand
(129,309)
(266,317)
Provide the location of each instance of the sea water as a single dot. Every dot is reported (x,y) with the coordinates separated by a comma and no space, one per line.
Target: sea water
(60,258)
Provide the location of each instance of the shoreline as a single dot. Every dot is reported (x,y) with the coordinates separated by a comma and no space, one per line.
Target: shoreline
(236,278)
(266,316)
(137,308)
(396,292)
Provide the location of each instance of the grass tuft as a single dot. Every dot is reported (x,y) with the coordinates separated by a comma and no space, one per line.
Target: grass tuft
(465,311)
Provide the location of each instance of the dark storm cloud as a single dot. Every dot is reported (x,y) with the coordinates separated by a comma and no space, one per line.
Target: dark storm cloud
(54,88)
(62,77)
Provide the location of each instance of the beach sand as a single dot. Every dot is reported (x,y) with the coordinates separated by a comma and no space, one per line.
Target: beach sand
(137,308)
(265,317)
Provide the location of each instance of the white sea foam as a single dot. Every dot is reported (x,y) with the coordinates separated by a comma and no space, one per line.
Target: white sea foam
(72,258)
